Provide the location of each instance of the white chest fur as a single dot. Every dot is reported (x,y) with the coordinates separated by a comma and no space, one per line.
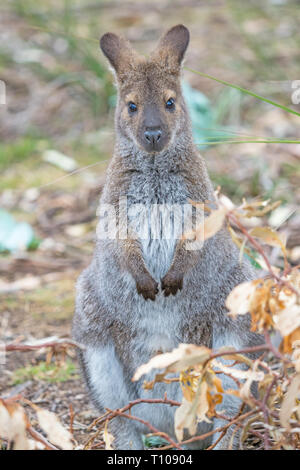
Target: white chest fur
(156,209)
(162,233)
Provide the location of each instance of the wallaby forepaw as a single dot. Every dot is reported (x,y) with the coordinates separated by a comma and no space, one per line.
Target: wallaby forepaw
(171,284)
(147,287)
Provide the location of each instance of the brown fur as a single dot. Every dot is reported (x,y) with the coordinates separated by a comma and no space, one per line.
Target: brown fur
(161,71)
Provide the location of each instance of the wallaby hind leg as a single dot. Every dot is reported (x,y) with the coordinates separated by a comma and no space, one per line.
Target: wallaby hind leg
(109,389)
(126,435)
(200,444)
(231,404)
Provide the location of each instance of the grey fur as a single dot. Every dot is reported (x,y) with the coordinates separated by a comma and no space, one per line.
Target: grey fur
(119,328)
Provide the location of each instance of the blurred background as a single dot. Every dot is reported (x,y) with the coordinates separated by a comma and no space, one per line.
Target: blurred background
(58,120)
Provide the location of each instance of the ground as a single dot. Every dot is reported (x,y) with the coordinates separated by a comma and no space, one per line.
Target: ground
(60,96)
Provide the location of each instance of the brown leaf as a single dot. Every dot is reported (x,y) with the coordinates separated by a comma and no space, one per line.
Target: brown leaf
(181,358)
(56,433)
(260,208)
(239,300)
(289,402)
(203,402)
(288,320)
(13,425)
(185,418)
(289,341)
(270,237)
(108,438)
(211,225)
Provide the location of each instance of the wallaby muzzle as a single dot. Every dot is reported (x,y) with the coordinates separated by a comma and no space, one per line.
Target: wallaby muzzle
(152,138)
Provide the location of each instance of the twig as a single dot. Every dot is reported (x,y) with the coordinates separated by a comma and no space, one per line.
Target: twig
(32,347)
(256,245)
(150,426)
(211,433)
(38,437)
(251,349)
(110,414)
(72,414)
(217,441)
(128,407)
(273,349)
(231,217)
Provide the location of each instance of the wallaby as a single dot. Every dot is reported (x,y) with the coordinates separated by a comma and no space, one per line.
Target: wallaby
(145,295)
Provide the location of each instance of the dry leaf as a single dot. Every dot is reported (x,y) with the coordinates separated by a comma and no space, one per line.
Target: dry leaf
(239,300)
(253,376)
(56,433)
(108,438)
(181,358)
(288,320)
(260,208)
(289,341)
(226,202)
(4,422)
(211,225)
(289,402)
(239,373)
(203,403)
(189,380)
(185,418)
(270,237)
(18,427)
(296,356)
(13,424)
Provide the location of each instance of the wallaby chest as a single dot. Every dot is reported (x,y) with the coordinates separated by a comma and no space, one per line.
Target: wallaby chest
(156,198)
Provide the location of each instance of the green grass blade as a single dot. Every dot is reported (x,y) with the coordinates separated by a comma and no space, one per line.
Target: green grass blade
(244,90)
(261,141)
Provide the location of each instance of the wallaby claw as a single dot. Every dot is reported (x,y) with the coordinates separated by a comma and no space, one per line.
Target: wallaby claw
(147,287)
(171,284)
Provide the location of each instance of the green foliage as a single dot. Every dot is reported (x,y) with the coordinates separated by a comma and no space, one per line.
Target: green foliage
(34,244)
(17,151)
(154,441)
(45,372)
(205,121)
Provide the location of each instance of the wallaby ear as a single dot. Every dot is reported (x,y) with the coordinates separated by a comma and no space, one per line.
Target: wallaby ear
(172,46)
(118,51)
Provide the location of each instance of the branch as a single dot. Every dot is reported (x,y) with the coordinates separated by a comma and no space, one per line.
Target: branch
(150,426)
(110,414)
(232,218)
(32,347)
(214,431)
(38,437)
(128,407)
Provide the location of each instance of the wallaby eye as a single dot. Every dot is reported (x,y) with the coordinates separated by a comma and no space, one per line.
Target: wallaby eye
(132,107)
(170,103)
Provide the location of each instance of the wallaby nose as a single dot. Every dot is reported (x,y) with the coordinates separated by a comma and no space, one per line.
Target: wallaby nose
(152,136)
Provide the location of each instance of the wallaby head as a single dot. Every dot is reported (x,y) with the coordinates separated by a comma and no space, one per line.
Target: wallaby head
(151,109)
